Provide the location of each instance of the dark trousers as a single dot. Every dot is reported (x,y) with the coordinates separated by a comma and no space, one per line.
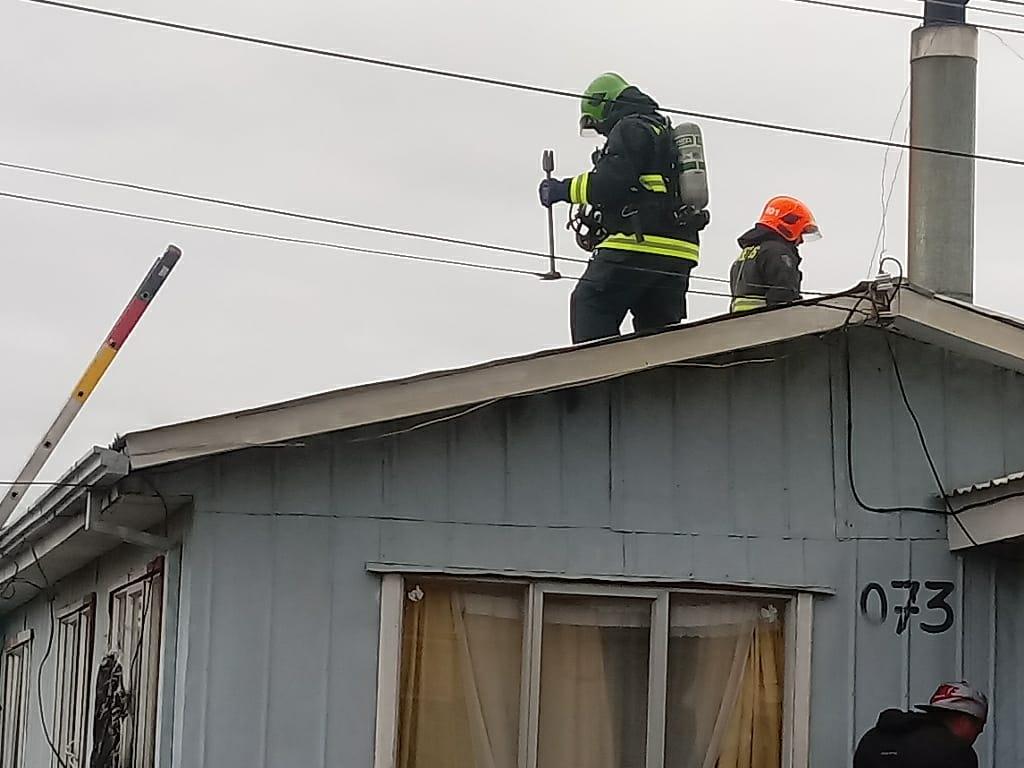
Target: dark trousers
(653,288)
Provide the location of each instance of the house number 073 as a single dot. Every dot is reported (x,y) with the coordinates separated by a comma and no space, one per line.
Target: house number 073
(874,604)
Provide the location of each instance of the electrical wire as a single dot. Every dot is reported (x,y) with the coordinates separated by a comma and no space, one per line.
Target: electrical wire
(7,588)
(1006,45)
(940,486)
(849,447)
(262,235)
(147,601)
(242,205)
(526,87)
(42,664)
(163,501)
(949,511)
(56,484)
(886,199)
(318,243)
(302,216)
(857,9)
(974,8)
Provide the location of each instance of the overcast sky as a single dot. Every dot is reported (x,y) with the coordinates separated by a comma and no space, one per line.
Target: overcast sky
(243,322)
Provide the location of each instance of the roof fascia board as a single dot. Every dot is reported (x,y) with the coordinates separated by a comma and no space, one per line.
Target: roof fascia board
(577,366)
(1000,521)
(949,324)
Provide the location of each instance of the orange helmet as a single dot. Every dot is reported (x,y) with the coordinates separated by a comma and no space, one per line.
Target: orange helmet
(791,219)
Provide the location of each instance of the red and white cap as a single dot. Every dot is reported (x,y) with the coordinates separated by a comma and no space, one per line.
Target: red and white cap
(958,697)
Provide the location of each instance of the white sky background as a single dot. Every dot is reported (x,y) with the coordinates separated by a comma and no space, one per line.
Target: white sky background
(242,322)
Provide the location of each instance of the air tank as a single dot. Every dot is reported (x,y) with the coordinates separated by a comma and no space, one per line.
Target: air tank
(693,169)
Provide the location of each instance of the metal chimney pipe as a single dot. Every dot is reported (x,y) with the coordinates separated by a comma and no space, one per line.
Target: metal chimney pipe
(945,11)
(943,115)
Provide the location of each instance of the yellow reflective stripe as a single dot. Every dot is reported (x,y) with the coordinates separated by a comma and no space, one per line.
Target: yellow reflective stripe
(661,246)
(746,303)
(654,182)
(578,189)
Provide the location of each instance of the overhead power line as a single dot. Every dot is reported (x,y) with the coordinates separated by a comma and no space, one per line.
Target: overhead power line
(865,9)
(256,208)
(969,8)
(302,216)
(1007,46)
(526,87)
(329,244)
(263,235)
(298,240)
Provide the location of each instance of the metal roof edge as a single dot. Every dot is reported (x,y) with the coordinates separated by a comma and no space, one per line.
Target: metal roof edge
(97,468)
(960,327)
(554,369)
(985,485)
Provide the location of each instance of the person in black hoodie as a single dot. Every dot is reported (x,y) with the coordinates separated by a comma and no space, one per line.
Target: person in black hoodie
(941,736)
(767,272)
(646,243)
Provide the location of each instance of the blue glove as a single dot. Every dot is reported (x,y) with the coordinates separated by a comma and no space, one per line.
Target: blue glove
(554,191)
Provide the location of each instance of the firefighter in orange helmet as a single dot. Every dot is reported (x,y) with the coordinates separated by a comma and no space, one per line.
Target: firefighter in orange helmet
(767,272)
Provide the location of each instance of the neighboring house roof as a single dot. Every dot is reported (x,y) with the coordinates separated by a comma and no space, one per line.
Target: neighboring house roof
(993,512)
(912,311)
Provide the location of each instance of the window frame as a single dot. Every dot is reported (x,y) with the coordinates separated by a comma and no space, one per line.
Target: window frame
(81,611)
(20,644)
(151,583)
(798,617)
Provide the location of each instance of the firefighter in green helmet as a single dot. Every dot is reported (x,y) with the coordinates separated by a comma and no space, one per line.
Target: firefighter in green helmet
(644,241)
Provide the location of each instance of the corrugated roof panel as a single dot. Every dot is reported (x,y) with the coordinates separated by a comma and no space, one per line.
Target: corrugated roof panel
(993,483)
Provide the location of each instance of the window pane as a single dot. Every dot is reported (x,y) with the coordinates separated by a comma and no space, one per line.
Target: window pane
(15,698)
(725,678)
(593,688)
(134,654)
(461,675)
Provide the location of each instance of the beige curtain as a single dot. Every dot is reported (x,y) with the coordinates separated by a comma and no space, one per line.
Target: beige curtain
(708,647)
(754,735)
(576,712)
(460,678)
(489,638)
(459,703)
(593,688)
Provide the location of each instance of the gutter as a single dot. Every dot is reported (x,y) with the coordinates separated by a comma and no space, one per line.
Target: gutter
(53,518)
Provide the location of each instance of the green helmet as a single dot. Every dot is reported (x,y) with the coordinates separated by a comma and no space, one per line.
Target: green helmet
(598,98)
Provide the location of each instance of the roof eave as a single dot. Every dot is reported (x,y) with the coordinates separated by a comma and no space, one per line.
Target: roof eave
(959,327)
(100,467)
(574,366)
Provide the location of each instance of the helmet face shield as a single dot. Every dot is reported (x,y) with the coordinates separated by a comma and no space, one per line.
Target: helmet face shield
(811,233)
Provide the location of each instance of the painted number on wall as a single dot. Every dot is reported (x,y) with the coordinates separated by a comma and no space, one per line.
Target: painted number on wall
(874,604)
